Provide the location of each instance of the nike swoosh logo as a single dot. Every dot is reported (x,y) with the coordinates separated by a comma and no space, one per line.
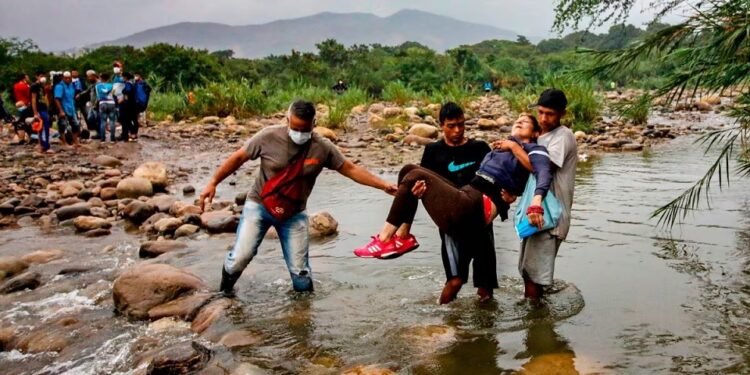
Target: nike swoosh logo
(452,167)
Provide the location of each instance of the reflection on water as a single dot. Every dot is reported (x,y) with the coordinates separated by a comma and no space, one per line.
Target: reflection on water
(630,297)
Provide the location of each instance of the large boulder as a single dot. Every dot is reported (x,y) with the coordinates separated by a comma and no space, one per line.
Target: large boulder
(137,211)
(73,211)
(424,130)
(186,230)
(180,208)
(487,124)
(152,249)
(184,308)
(145,286)
(155,172)
(162,202)
(134,187)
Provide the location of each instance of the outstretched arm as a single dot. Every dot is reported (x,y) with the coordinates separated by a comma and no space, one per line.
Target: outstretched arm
(229,166)
(364,177)
(517,150)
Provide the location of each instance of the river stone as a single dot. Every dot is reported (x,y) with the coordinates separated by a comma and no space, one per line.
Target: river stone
(188,190)
(155,172)
(10,266)
(134,187)
(180,209)
(487,124)
(73,211)
(99,232)
(323,224)
(152,249)
(210,119)
(209,314)
(108,193)
(145,286)
(632,147)
(376,108)
(236,339)
(162,202)
(167,225)
(182,358)
(42,256)
(23,210)
(220,221)
(392,112)
(138,212)
(100,212)
(7,209)
(112,173)
(184,308)
(424,130)
(580,135)
(26,280)
(7,338)
(186,230)
(417,140)
(32,200)
(107,161)
(326,133)
(49,337)
(68,201)
(87,223)
(368,370)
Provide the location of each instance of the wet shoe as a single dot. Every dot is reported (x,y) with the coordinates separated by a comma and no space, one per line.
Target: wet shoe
(375,248)
(401,246)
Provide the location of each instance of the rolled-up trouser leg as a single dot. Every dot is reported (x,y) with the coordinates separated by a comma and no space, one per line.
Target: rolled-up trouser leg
(250,232)
(295,240)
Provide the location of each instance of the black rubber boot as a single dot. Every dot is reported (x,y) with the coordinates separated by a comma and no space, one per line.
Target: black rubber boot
(227,283)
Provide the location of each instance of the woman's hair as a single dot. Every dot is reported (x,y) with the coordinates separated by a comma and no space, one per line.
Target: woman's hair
(105,76)
(534,122)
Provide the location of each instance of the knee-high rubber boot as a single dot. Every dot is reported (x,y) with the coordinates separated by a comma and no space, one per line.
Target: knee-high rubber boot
(227,282)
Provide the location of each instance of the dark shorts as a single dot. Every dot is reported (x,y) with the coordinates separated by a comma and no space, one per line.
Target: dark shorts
(68,122)
(458,255)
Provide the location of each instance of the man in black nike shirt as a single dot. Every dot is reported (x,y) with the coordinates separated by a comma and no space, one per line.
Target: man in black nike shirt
(457,158)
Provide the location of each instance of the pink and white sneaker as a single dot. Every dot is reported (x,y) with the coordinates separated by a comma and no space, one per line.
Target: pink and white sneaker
(401,246)
(375,248)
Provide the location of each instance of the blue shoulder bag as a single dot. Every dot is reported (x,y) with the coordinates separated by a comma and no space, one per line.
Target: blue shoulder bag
(552,211)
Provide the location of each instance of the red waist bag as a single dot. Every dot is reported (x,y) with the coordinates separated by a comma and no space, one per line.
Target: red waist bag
(282,194)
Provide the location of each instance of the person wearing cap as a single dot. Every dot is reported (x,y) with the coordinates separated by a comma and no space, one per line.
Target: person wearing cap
(280,148)
(537,256)
(65,94)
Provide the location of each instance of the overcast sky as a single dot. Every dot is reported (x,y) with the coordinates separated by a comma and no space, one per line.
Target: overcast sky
(62,24)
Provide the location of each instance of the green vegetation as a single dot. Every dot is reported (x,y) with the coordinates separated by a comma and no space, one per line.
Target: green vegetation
(223,85)
(636,111)
(711,47)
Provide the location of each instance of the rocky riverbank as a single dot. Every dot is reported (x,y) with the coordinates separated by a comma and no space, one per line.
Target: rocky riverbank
(142,191)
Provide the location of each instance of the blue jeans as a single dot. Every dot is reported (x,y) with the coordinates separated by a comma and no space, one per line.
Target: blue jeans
(107,111)
(294,237)
(44,133)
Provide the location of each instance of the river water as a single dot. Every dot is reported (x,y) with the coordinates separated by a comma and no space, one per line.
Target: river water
(630,297)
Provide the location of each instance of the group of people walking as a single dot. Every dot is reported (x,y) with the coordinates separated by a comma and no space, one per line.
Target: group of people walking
(464,184)
(99,101)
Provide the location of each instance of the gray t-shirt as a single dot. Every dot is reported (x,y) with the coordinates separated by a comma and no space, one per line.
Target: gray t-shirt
(563,152)
(275,149)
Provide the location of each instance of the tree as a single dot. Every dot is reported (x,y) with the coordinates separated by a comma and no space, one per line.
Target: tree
(523,40)
(711,47)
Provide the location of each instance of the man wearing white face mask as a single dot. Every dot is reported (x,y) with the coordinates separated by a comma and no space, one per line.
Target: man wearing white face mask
(291,157)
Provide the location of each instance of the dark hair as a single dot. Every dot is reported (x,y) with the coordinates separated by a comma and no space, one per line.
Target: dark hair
(127,75)
(40,73)
(450,111)
(21,76)
(302,110)
(104,76)
(534,121)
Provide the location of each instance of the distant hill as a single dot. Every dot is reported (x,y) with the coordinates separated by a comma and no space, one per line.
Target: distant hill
(280,37)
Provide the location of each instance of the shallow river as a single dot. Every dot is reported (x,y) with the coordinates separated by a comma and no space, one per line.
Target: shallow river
(630,297)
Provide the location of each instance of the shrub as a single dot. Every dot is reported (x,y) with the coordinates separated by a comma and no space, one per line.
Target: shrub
(399,93)
(635,111)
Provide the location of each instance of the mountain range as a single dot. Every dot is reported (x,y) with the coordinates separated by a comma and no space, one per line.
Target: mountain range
(301,34)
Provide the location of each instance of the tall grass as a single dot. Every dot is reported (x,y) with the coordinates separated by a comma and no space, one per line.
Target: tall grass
(453,92)
(341,107)
(636,111)
(399,93)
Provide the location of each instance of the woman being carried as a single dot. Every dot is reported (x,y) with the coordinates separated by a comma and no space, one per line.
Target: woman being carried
(462,212)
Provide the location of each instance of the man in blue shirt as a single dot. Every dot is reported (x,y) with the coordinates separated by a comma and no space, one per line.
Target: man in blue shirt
(65,94)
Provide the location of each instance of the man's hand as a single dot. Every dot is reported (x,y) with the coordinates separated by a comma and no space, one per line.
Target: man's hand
(504,145)
(536,219)
(390,189)
(208,194)
(507,197)
(419,188)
